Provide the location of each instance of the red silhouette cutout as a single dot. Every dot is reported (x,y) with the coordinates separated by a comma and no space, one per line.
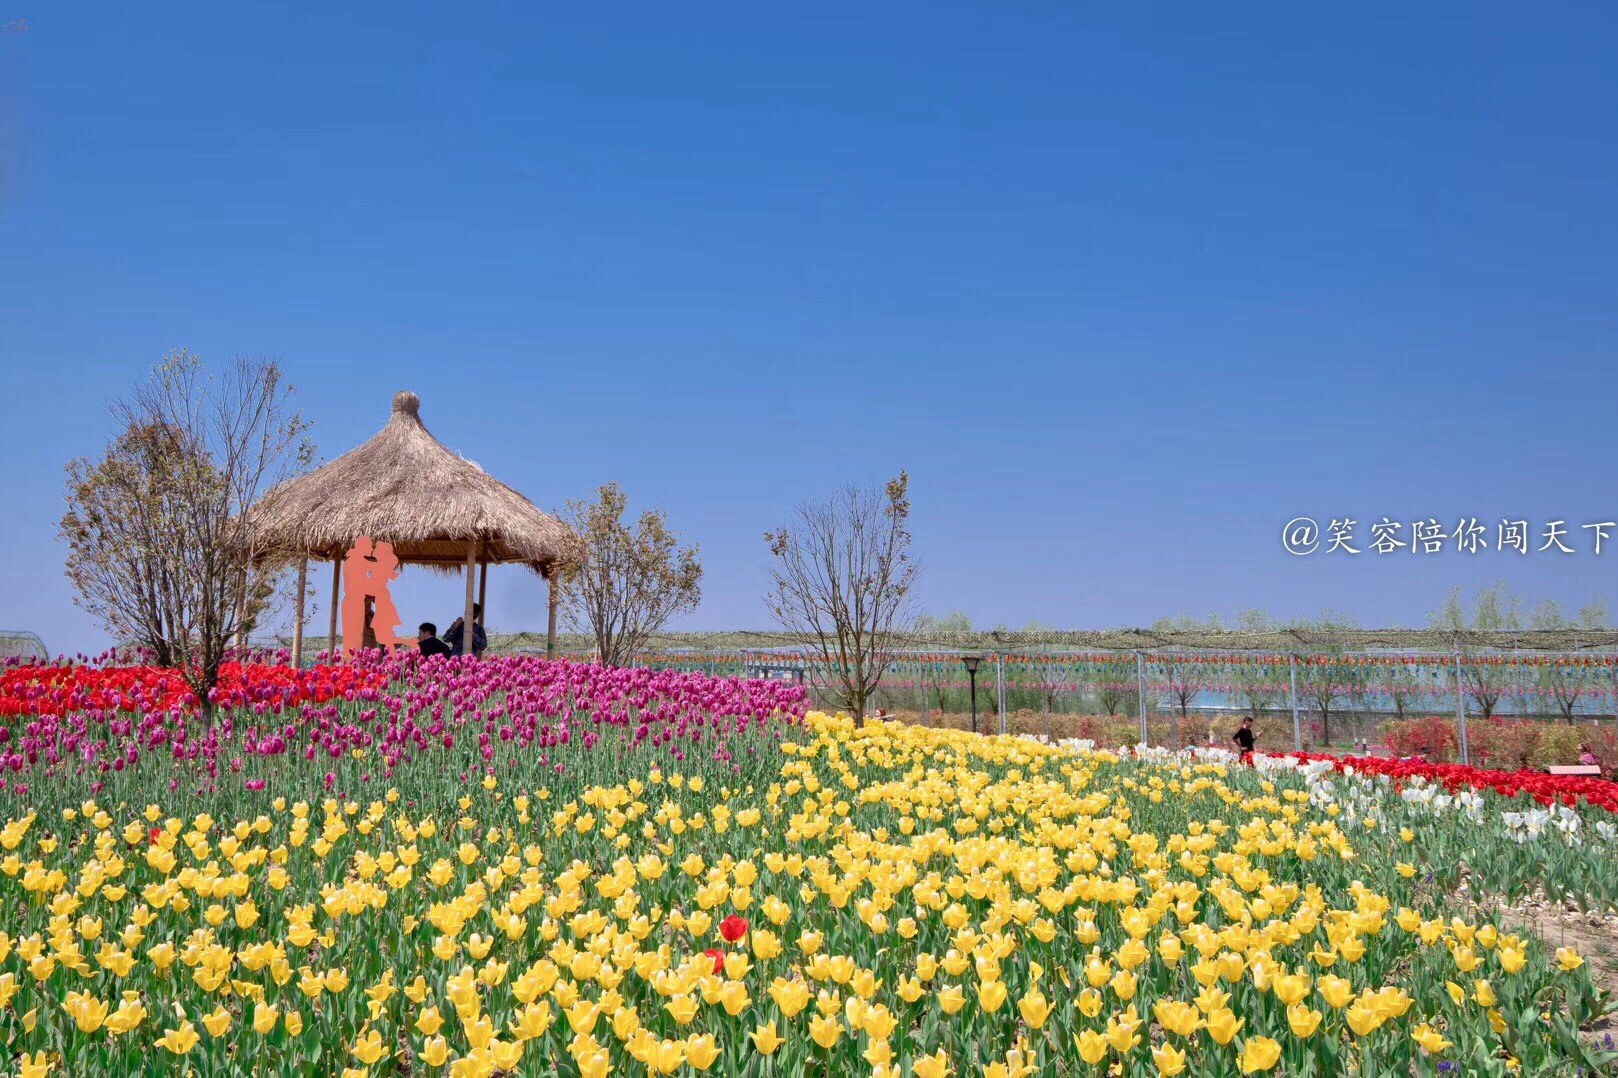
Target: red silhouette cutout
(369,616)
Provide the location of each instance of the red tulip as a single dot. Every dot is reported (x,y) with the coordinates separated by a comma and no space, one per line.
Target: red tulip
(732,929)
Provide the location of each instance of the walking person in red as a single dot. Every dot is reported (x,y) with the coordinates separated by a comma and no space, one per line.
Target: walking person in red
(1244,739)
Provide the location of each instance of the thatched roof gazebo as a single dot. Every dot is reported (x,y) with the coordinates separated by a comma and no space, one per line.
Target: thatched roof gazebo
(436,508)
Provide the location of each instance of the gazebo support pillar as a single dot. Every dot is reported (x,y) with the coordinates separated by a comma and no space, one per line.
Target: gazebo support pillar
(336,579)
(297,626)
(550,622)
(483,588)
(468,631)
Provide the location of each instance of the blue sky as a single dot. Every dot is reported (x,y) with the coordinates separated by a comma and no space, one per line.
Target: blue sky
(1123,288)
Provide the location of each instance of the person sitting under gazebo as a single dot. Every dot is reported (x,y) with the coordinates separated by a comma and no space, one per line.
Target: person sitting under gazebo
(427,641)
(454,635)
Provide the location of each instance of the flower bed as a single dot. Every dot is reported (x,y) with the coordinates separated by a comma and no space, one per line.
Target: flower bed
(364,721)
(1543,788)
(64,688)
(883,900)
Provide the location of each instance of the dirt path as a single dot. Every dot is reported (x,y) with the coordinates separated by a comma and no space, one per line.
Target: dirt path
(1593,935)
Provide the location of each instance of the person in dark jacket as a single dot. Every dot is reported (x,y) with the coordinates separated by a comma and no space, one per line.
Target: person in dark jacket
(427,640)
(1244,737)
(480,640)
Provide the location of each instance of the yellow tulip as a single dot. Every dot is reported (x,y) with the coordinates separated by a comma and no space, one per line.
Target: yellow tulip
(582,1016)
(1291,989)
(182,1040)
(1568,959)
(368,1048)
(825,1031)
(216,1023)
(766,1040)
(933,1066)
(1335,991)
(1180,1019)
(264,1018)
(790,996)
(429,1021)
(1223,1025)
(1431,1040)
(506,1055)
(87,1012)
(1259,1054)
(1169,1060)
(1091,1045)
(435,1051)
(1034,1007)
(130,1013)
(1121,1035)
(991,995)
(682,1009)
(951,998)
(1363,1020)
(701,1051)
(1302,1020)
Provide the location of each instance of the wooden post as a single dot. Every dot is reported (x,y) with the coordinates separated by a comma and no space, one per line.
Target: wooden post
(297,627)
(483,588)
(467,631)
(336,579)
(550,627)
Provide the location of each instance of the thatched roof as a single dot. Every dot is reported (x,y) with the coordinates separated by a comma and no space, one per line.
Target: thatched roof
(403,487)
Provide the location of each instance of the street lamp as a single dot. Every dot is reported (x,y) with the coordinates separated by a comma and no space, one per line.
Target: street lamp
(971,664)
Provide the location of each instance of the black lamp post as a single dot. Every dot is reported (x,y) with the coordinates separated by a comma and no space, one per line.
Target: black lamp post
(971,664)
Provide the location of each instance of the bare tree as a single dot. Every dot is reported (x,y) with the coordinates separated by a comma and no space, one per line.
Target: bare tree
(1326,673)
(632,580)
(842,576)
(1054,674)
(1250,680)
(1495,608)
(1185,677)
(157,546)
(1563,681)
(953,624)
(1401,685)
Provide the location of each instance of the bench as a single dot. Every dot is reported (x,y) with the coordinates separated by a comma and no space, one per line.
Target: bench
(1589,770)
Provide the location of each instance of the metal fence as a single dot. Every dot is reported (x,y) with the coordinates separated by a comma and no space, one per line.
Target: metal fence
(1309,685)
(21,644)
